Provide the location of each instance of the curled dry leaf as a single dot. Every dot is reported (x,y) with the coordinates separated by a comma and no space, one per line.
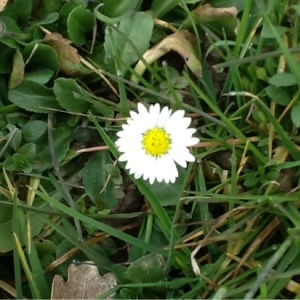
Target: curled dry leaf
(69,58)
(181,42)
(219,18)
(3,4)
(84,282)
(17,74)
(207,11)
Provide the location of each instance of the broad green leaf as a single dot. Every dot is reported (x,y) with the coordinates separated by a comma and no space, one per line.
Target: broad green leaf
(160,8)
(125,44)
(149,268)
(65,12)
(115,8)
(94,179)
(15,136)
(32,96)
(40,76)
(28,150)
(33,130)
(267,31)
(6,243)
(296,8)
(48,19)
(166,193)
(78,32)
(283,79)
(62,136)
(69,6)
(278,95)
(295,114)
(70,95)
(21,162)
(6,213)
(46,8)
(42,61)
(104,109)
(9,27)
(23,8)
(9,164)
(45,247)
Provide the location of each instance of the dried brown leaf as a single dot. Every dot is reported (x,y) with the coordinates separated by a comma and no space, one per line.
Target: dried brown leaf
(84,282)
(69,58)
(181,42)
(209,11)
(218,18)
(17,74)
(3,4)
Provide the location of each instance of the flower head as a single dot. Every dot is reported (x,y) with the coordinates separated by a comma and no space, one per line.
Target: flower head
(154,140)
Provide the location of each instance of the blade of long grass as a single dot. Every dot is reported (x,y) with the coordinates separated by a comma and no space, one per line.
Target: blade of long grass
(288,144)
(293,65)
(230,125)
(17,263)
(102,262)
(32,283)
(98,225)
(265,271)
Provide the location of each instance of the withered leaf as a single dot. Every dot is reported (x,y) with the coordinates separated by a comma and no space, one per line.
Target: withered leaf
(207,11)
(219,18)
(181,42)
(69,58)
(84,282)
(3,4)
(17,74)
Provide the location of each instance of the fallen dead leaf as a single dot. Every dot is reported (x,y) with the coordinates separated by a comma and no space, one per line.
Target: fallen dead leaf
(84,282)
(69,58)
(3,4)
(181,42)
(218,18)
(207,11)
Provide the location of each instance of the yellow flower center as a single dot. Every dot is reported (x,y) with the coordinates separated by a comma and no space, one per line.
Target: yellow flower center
(156,142)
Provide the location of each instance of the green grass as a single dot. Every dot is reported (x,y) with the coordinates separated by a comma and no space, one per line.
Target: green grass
(229,227)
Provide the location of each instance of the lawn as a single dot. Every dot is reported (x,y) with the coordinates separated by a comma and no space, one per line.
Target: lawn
(149,149)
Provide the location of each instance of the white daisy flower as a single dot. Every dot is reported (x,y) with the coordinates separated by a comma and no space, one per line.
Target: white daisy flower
(153,141)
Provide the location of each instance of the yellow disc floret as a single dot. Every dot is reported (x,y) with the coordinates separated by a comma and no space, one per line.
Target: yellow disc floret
(156,142)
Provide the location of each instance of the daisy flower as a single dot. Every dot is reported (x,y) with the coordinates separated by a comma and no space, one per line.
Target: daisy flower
(153,141)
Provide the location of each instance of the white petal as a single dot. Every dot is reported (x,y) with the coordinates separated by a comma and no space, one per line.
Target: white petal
(154,111)
(177,120)
(163,117)
(169,168)
(142,109)
(133,115)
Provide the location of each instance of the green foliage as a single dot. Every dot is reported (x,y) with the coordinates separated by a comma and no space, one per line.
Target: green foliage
(70,96)
(33,96)
(283,79)
(97,184)
(33,130)
(115,8)
(295,115)
(125,43)
(42,63)
(76,18)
